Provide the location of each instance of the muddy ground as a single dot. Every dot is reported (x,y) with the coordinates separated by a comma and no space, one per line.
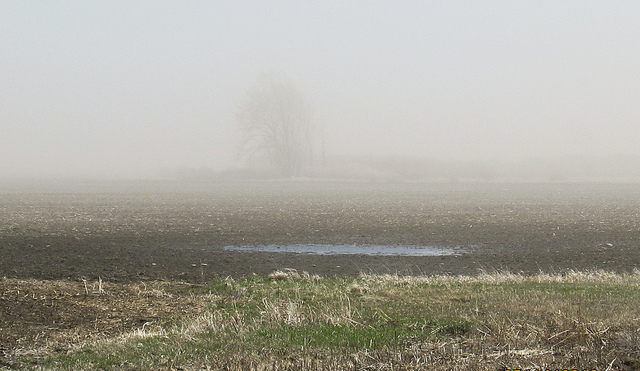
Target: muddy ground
(127,233)
(172,231)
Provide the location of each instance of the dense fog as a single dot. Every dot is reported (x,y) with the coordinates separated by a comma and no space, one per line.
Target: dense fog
(418,90)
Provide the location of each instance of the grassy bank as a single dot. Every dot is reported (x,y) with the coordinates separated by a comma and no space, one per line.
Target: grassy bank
(292,320)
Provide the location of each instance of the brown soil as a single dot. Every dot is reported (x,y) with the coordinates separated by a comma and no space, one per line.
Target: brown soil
(51,315)
(128,234)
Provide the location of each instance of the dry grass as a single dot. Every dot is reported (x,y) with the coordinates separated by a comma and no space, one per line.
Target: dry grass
(292,320)
(571,276)
(290,274)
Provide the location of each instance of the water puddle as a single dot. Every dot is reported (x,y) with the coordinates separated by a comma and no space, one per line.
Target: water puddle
(384,250)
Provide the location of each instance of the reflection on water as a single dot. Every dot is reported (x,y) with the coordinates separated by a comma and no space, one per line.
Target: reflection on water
(351,249)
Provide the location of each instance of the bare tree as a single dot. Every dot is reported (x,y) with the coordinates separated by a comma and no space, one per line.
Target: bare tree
(276,124)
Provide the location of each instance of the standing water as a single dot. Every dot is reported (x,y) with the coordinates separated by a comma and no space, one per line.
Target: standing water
(350,249)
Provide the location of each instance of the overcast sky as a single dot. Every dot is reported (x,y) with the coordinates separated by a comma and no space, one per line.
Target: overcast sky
(128,88)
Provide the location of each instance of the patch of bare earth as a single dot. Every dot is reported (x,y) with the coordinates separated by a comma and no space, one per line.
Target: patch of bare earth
(39,316)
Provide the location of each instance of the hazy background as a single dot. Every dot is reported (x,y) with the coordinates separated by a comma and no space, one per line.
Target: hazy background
(124,89)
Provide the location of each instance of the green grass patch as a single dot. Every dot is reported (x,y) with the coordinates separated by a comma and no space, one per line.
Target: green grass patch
(289,317)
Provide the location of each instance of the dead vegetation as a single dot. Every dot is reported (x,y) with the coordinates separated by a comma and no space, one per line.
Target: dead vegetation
(40,315)
(295,320)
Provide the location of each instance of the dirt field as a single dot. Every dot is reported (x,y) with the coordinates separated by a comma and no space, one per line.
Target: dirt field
(125,233)
(141,231)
